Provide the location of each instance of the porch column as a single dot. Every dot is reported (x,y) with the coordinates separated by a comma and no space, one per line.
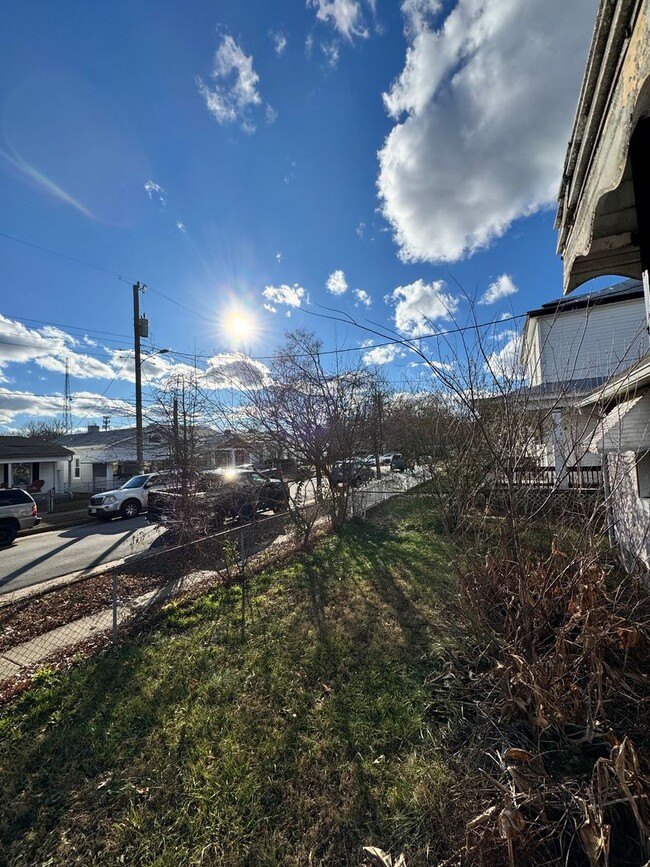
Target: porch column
(70,477)
(559,451)
(10,475)
(109,477)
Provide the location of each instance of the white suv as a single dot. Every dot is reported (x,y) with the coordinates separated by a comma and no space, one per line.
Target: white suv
(18,511)
(127,501)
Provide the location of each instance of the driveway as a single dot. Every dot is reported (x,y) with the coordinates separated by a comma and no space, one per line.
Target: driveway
(37,558)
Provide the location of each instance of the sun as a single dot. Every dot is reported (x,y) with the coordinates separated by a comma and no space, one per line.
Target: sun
(240,325)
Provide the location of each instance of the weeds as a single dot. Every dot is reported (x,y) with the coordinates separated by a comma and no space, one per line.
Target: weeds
(558,688)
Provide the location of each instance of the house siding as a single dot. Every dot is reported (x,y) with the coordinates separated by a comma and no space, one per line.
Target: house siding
(630,513)
(592,342)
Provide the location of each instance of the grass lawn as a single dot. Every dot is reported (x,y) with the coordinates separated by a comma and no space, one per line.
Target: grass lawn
(292,744)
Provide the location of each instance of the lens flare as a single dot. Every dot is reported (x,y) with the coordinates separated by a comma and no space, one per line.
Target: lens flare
(240,326)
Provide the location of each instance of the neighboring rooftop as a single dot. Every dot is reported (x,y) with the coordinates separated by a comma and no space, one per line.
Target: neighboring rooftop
(93,437)
(17,448)
(628,290)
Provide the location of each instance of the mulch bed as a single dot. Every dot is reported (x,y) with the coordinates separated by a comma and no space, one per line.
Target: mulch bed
(23,620)
(33,617)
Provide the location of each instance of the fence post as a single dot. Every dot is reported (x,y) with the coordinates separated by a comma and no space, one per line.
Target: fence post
(114,608)
(50,506)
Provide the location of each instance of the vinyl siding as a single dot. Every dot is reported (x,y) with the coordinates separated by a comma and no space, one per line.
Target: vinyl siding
(588,343)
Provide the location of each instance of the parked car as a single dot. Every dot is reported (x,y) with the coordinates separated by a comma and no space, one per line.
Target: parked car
(18,511)
(127,501)
(351,472)
(223,495)
(268,492)
(393,460)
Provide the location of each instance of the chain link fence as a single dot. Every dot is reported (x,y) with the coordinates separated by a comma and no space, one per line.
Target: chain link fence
(52,628)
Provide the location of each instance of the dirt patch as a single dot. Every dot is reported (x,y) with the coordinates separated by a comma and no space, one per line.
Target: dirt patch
(29,618)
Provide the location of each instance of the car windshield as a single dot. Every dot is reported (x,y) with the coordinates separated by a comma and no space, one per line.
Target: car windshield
(135,482)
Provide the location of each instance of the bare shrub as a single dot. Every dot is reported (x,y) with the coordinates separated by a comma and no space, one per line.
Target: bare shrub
(559,689)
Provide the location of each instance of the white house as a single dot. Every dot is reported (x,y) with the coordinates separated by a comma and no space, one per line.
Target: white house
(603,221)
(570,347)
(34,465)
(104,459)
(622,441)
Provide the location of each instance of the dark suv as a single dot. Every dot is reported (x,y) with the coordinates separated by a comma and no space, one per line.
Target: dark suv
(18,511)
(223,495)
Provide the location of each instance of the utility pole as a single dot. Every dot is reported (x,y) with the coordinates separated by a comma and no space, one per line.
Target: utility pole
(137,288)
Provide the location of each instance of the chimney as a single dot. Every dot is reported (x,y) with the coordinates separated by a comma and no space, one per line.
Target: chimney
(93,428)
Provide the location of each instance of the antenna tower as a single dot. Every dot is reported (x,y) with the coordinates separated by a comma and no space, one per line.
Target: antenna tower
(67,400)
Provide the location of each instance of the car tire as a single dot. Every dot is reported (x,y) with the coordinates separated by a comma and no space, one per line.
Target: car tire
(130,509)
(8,532)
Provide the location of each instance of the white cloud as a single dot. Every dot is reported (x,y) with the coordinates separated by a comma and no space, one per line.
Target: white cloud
(155,190)
(331,52)
(291,296)
(362,297)
(20,344)
(345,16)
(501,288)
(361,228)
(419,304)
(278,257)
(233,94)
(279,42)
(180,226)
(506,362)
(50,348)
(235,370)
(19,403)
(418,14)
(336,283)
(485,105)
(382,354)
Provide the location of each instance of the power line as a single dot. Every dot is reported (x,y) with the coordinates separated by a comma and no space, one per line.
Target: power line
(101,268)
(64,256)
(403,341)
(15,318)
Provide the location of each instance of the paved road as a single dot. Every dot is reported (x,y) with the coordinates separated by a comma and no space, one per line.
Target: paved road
(33,559)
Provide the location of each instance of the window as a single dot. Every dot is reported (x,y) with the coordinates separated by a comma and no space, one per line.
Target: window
(14,497)
(22,474)
(643,474)
(77,468)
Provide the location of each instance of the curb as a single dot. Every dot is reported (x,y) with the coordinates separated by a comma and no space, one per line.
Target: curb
(45,587)
(46,527)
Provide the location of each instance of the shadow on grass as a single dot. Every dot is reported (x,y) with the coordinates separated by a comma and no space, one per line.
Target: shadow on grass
(306,738)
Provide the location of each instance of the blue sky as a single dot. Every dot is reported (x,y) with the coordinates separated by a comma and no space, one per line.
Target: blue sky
(263,160)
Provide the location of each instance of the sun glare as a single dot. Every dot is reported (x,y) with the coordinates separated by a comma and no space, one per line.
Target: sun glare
(240,326)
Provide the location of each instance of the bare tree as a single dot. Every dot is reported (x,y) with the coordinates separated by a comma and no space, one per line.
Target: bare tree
(304,410)
(45,431)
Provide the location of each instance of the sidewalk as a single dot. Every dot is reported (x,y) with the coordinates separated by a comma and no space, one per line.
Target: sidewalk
(31,654)
(15,660)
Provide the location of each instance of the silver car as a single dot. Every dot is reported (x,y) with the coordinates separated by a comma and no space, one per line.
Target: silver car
(18,511)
